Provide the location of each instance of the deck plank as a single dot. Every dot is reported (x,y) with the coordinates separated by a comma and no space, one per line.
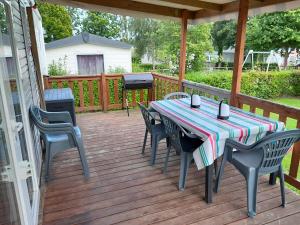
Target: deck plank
(125,189)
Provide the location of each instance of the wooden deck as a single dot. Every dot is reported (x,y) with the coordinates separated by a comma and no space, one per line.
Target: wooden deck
(124,189)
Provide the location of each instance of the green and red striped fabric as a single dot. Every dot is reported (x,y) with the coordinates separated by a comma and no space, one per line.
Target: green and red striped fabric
(242,126)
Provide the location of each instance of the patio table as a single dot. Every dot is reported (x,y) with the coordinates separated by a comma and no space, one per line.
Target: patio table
(245,127)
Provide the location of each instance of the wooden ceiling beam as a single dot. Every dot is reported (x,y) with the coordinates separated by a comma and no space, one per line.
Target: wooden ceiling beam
(197,4)
(136,6)
(234,7)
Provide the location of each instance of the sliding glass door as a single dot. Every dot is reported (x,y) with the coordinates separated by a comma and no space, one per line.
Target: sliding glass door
(19,193)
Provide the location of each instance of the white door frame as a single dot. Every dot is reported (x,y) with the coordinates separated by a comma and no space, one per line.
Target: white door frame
(28,213)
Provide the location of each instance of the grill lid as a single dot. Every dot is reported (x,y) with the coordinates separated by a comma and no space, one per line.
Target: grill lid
(137,81)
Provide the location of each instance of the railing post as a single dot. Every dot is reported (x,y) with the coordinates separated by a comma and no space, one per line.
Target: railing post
(104,93)
(182,86)
(46,81)
(151,94)
(295,158)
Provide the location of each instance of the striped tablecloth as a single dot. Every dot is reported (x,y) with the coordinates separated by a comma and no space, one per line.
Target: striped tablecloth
(242,126)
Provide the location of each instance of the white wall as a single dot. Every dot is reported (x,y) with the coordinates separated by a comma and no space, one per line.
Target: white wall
(5,51)
(113,57)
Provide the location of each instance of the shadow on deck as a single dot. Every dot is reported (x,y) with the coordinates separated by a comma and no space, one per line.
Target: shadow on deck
(124,189)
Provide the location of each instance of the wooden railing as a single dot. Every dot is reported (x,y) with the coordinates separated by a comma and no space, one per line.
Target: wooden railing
(104,92)
(97,92)
(206,90)
(163,85)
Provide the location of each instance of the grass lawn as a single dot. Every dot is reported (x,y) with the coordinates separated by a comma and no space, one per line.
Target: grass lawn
(291,123)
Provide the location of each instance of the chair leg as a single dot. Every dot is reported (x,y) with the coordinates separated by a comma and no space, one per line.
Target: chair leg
(47,161)
(220,174)
(252,179)
(153,150)
(272,179)
(167,159)
(185,159)
(216,167)
(281,176)
(84,163)
(145,141)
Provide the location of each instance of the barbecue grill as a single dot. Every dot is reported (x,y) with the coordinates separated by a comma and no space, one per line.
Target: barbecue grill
(136,81)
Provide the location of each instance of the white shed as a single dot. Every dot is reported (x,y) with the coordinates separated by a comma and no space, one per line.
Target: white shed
(89,54)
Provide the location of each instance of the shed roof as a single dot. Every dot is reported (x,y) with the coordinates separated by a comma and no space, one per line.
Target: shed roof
(198,10)
(87,38)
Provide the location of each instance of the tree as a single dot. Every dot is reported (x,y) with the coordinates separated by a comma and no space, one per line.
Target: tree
(56,21)
(102,24)
(275,31)
(3,22)
(145,38)
(223,36)
(77,16)
(198,43)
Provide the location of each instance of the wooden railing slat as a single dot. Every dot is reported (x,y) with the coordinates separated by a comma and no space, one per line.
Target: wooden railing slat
(104,93)
(71,85)
(141,95)
(282,118)
(91,92)
(116,91)
(252,108)
(266,113)
(60,84)
(108,91)
(133,98)
(81,94)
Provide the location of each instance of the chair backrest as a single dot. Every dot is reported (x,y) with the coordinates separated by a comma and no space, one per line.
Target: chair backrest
(36,117)
(176,95)
(148,118)
(275,146)
(173,132)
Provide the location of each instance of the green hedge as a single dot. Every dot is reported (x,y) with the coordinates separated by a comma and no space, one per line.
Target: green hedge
(255,83)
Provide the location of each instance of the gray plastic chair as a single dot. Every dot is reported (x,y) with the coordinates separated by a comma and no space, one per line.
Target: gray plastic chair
(176,95)
(58,136)
(183,142)
(155,128)
(262,157)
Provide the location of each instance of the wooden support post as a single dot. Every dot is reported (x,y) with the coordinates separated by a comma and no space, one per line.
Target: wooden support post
(239,51)
(35,56)
(184,20)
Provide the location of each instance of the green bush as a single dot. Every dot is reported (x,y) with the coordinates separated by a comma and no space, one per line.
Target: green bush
(255,83)
(260,66)
(58,68)
(137,67)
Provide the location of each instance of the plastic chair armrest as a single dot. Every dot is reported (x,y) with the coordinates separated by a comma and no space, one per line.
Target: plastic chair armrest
(190,135)
(63,117)
(232,144)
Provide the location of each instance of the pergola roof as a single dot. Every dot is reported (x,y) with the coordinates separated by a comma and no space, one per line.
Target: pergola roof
(198,10)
